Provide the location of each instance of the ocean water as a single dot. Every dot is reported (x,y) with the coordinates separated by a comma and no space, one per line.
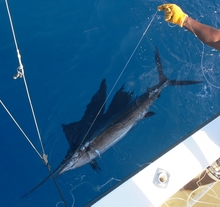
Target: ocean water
(67,48)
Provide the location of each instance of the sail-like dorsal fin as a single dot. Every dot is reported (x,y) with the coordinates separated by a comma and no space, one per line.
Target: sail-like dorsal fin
(76,131)
(119,101)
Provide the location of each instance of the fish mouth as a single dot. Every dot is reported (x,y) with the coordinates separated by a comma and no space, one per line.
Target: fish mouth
(78,159)
(68,166)
(69,163)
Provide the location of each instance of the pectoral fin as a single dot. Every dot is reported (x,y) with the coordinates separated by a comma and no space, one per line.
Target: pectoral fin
(95,165)
(148,114)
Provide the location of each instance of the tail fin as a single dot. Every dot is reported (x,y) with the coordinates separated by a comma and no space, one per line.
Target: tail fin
(163,78)
(183,82)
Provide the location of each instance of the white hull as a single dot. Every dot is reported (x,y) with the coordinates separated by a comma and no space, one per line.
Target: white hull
(178,166)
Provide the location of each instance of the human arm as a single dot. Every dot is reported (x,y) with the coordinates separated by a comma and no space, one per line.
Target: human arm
(208,35)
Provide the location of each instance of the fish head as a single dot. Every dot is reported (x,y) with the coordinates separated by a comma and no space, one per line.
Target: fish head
(78,159)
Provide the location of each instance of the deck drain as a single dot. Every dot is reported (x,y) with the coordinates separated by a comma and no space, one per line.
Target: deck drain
(161,178)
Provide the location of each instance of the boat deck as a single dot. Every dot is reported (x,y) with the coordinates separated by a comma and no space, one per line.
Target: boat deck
(161,182)
(196,194)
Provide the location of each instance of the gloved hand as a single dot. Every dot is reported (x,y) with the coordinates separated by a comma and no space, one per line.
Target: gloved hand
(173,13)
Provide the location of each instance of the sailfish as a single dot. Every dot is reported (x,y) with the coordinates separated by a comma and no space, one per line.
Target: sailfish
(88,139)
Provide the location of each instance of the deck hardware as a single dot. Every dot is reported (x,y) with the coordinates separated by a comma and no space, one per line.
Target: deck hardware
(161,178)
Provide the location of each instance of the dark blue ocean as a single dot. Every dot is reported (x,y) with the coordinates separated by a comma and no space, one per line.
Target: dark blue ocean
(68,48)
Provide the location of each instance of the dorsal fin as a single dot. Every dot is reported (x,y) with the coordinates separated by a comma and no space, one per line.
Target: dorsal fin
(76,131)
(119,101)
(96,103)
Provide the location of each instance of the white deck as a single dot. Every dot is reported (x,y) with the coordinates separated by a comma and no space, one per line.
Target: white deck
(183,162)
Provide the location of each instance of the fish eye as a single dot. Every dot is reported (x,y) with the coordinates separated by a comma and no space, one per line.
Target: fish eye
(76,154)
(86,144)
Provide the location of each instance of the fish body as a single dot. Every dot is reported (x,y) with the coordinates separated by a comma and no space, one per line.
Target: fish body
(88,139)
(122,123)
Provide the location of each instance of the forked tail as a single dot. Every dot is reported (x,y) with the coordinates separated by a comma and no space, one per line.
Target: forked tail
(163,78)
(183,82)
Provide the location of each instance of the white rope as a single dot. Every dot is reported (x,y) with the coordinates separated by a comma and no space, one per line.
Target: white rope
(20,128)
(20,74)
(33,113)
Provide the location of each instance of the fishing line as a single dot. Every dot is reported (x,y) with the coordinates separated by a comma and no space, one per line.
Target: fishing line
(202,58)
(113,87)
(202,190)
(202,67)
(20,74)
(172,25)
(6,109)
(206,189)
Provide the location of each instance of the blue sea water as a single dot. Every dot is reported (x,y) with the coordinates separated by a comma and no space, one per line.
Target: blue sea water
(67,48)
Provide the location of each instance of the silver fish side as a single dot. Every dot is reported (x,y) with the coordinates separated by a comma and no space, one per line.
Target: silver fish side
(116,130)
(122,123)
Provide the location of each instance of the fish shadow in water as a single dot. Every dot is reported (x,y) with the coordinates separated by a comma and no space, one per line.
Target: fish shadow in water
(84,146)
(78,133)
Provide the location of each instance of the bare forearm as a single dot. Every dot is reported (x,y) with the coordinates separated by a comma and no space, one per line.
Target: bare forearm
(208,35)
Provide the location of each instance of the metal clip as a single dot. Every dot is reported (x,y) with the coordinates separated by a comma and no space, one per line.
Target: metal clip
(19,73)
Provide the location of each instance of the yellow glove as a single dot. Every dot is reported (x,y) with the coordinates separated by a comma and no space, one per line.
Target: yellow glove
(173,13)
